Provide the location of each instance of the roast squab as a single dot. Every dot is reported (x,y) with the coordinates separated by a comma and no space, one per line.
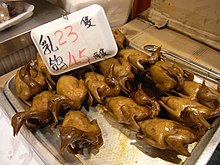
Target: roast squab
(188,89)
(78,133)
(176,105)
(166,75)
(37,114)
(41,67)
(201,93)
(122,71)
(100,87)
(142,98)
(126,111)
(168,134)
(58,103)
(218,87)
(136,58)
(28,82)
(209,98)
(72,88)
(120,39)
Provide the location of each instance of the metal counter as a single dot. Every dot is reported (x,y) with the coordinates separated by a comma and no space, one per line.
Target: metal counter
(17,38)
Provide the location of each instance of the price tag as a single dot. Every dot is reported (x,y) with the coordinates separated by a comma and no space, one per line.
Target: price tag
(83,38)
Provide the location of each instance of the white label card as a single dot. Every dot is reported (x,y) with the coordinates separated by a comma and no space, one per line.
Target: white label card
(84,38)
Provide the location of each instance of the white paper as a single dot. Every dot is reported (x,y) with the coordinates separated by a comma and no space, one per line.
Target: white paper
(15,150)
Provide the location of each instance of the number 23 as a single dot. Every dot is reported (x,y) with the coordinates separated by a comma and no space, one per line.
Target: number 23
(70,33)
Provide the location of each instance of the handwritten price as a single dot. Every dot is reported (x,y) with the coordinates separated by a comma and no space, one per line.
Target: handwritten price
(71,35)
(64,48)
(68,35)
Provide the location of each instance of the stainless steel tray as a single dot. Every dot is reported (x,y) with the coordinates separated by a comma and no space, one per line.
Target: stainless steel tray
(120,146)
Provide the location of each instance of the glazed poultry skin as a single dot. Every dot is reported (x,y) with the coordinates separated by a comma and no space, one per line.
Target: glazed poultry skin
(120,39)
(160,76)
(40,101)
(175,105)
(168,134)
(122,71)
(200,93)
(77,132)
(56,106)
(136,58)
(37,111)
(28,82)
(165,74)
(41,67)
(209,97)
(72,88)
(98,88)
(142,98)
(126,111)
(189,89)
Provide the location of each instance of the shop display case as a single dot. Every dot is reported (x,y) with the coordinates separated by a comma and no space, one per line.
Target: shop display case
(188,36)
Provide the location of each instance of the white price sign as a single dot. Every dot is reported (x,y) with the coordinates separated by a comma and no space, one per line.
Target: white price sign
(84,38)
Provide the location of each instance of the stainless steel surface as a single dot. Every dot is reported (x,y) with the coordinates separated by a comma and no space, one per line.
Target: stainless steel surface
(210,74)
(11,46)
(17,59)
(205,148)
(16,46)
(120,145)
(18,37)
